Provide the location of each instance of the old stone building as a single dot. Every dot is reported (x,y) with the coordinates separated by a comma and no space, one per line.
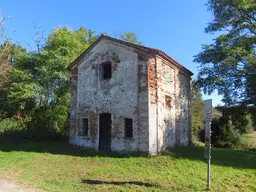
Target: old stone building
(127,97)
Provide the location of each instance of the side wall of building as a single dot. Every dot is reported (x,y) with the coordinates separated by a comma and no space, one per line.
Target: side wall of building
(183,109)
(169,104)
(166,107)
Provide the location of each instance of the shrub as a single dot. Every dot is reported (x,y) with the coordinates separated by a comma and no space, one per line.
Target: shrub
(226,135)
(19,130)
(244,142)
(9,125)
(229,129)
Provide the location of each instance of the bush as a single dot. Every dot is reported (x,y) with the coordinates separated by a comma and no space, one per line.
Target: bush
(9,125)
(244,142)
(237,141)
(226,135)
(18,130)
(229,132)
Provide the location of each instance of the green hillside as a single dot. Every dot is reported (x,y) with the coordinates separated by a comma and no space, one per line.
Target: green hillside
(56,166)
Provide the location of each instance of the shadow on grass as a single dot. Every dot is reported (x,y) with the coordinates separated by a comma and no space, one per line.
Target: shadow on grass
(222,157)
(56,145)
(99,182)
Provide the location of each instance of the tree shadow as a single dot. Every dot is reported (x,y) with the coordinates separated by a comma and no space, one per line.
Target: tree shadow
(223,157)
(58,146)
(99,182)
(219,156)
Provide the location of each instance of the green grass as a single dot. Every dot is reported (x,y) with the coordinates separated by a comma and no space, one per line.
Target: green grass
(57,166)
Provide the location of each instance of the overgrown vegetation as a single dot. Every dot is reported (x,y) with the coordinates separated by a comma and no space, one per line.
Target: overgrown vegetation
(57,166)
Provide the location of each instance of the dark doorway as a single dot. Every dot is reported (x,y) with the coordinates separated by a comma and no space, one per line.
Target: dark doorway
(105,132)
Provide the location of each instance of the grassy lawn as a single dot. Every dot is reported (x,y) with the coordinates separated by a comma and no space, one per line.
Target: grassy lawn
(57,166)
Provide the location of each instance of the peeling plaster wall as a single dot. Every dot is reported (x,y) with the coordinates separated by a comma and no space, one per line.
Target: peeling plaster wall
(184,95)
(173,123)
(166,115)
(152,102)
(138,89)
(118,96)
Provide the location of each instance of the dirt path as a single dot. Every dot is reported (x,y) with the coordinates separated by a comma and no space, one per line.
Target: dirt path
(10,187)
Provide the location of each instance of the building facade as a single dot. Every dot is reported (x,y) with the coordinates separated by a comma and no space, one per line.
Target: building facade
(127,97)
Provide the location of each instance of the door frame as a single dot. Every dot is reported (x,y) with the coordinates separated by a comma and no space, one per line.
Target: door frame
(99,130)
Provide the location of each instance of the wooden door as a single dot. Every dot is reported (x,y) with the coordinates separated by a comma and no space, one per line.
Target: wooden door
(105,132)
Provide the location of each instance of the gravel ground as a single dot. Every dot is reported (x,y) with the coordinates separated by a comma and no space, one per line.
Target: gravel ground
(10,187)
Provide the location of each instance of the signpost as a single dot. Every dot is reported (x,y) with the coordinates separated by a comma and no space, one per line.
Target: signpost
(207,152)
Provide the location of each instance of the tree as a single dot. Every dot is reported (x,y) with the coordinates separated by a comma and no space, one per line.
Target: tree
(41,85)
(130,37)
(5,66)
(5,80)
(228,65)
(197,110)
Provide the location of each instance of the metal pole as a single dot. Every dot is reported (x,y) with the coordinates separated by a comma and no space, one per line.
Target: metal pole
(209,158)
(208,119)
(209,174)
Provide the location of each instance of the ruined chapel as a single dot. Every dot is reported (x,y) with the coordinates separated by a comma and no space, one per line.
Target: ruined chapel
(127,97)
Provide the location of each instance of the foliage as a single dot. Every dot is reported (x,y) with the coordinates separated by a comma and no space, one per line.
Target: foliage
(229,64)
(230,129)
(197,110)
(5,80)
(57,166)
(39,85)
(252,111)
(232,139)
(244,143)
(252,136)
(9,125)
(240,117)
(130,37)
(5,67)
(41,79)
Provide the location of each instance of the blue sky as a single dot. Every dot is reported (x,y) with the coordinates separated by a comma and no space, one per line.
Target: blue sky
(176,27)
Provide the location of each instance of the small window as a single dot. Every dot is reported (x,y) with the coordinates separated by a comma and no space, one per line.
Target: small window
(107,70)
(128,127)
(168,101)
(85,126)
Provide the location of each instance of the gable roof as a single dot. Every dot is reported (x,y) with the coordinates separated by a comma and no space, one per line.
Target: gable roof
(145,49)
